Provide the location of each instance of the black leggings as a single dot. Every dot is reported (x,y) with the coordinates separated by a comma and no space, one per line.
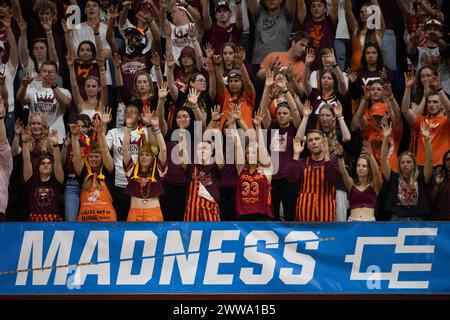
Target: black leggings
(284,192)
(227,204)
(173,201)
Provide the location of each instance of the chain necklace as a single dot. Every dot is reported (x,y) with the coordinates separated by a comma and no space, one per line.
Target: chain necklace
(144,196)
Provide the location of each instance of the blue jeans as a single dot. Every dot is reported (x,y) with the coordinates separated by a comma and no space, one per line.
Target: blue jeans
(396,217)
(389,49)
(340,48)
(72,199)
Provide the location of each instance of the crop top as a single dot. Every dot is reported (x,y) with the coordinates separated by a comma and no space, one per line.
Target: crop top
(363,199)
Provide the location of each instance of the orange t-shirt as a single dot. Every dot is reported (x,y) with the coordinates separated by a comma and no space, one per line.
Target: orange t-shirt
(440,138)
(246,109)
(298,65)
(96,205)
(374,135)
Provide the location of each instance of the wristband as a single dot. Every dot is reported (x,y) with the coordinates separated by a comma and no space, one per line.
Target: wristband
(96,33)
(56,145)
(54,86)
(48,32)
(1,118)
(438,89)
(271,97)
(340,118)
(156,131)
(334,65)
(340,155)
(285,90)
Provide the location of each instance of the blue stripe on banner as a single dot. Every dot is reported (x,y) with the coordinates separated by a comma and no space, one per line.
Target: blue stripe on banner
(224,257)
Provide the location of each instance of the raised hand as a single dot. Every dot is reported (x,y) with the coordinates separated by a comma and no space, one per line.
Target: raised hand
(439,177)
(26,136)
(170,62)
(338,148)
(307,109)
(27,79)
(22,24)
(46,23)
(163,90)
(67,140)
(113,12)
(146,118)
(70,60)
(209,65)
(239,57)
(98,126)
(387,90)
(352,75)
(154,119)
(258,118)
(236,111)
(209,50)
(192,31)
(435,83)
(53,137)
(329,59)
(6,20)
(367,147)
(310,56)
(276,64)
(410,80)
(107,116)
(367,92)
(425,130)
(215,114)
(193,96)
(275,91)
(325,146)
(64,26)
(298,145)
(387,128)
(217,59)
(18,127)
(337,108)
(269,78)
(74,129)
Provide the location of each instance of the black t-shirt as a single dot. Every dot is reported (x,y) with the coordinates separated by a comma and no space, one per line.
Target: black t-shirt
(44,196)
(393,201)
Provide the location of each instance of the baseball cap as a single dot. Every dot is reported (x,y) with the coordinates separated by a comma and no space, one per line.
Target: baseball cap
(433,21)
(187,12)
(235,73)
(379,109)
(324,2)
(223,4)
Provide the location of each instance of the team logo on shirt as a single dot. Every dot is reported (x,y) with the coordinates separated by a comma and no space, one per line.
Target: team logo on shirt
(44,196)
(45,103)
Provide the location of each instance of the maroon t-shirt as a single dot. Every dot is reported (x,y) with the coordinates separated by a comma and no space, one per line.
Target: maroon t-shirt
(144,189)
(281,147)
(44,197)
(219,35)
(322,36)
(175,174)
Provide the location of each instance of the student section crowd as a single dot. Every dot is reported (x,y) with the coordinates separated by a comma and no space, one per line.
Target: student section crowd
(307,110)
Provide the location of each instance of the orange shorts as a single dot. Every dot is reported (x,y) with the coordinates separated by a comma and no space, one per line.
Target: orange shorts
(145,214)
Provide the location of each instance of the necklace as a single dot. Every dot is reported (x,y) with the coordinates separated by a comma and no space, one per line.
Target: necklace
(144,196)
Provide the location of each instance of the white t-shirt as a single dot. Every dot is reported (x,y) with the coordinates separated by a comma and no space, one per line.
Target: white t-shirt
(114,139)
(85,32)
(342,28)
(43,100)
(10,74)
